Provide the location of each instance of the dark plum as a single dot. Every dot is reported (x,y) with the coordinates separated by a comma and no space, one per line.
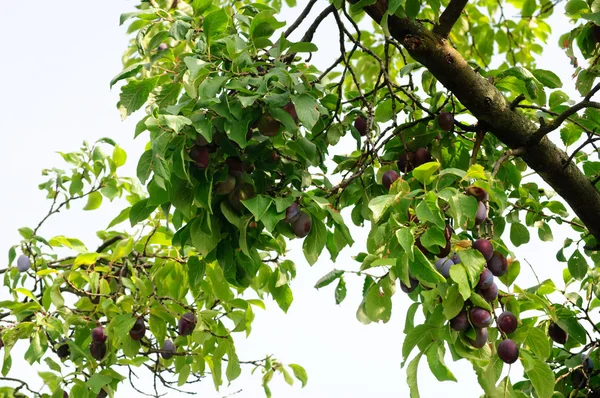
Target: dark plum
(268,126)
(484,247)
(446,121)
(63,351)
(98,334)
(439,263)
(138,330)
(200,140)
(102,394)
(168,349)
(482,213)
(186,324)
(291,109)
(481,336)
(498,264)
(407,162)
(98,350)
(235,166)
(388,178)
(292,213)
(578,379)
(408,289)
(460,323)
(302,225)
(479,193)
(23,263)
(557,334)
(508,351)
(485,279)
(455,258)
(199,155)
(225,187)
(360,124)
(588,363)
(422,156)
(490,294)
(65,395)
(507,322)
(480,318)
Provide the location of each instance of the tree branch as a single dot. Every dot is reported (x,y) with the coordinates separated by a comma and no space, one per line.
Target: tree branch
(449,17)
(585,103)
(504,158)
(488,105)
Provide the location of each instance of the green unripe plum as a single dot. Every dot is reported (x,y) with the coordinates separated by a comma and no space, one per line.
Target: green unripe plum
(225,187)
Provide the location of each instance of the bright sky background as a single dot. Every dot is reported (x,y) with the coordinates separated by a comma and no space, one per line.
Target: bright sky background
(58,59)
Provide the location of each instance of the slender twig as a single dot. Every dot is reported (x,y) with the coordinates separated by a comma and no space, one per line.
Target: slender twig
(449,17)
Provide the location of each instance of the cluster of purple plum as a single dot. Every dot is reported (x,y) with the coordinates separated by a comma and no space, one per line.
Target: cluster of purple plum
(407,162)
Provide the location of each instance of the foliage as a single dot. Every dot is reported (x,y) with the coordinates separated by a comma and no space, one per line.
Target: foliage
(237,129)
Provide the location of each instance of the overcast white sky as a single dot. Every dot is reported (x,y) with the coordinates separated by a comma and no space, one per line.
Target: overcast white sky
(58,59)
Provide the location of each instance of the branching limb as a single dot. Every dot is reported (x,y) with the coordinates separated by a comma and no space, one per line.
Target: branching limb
(300,18)
(504,158)
(449,17)
(556,123)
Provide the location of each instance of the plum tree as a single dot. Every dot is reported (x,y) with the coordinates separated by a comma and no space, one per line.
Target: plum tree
(62,350)
(507,322)
(485,279)
(98,334)
(98,350)
(484,247)
(460,323)
(245,142)
(557,334)
(23,263)
(482,213)
(168,349)
(481,338)
(491,293)
(302,225)
(186,324)
(388,178)
(360,124)
(291,109)
(480,318)
(498,264)
(414,283)
(268,126)
(445,121)
(138,330)
(508,351)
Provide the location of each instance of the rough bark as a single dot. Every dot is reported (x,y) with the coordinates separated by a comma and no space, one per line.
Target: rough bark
(489,106)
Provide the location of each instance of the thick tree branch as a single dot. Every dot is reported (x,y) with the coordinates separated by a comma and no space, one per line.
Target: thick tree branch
(488,105)
(449,17)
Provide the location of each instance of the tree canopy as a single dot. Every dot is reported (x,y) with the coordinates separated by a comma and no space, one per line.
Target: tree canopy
(448,114)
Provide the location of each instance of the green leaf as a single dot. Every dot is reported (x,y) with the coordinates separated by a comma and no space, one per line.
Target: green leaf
(179,29)
(258,205)
(519,234)
(140,211)
(379,205)
(407,241)
(328,278)
(126,73)
(205,241)
(541,377)
(414,337)
(453,303)
(412,8)
(411,376)
(378,304)
(458,273)
(144,167)
(547,78)
(94,201)
(119,156)
(340,291)
(424,172)
(97,381)
(435,359)
(215,23)
(422,269)
(195,271)
(315,241)
(538,342)
(578,265)
(299,373)
(307,110)
(85,259)
(135,94)
(303,47)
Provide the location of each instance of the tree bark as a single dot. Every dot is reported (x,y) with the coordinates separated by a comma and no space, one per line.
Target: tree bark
(489,106)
